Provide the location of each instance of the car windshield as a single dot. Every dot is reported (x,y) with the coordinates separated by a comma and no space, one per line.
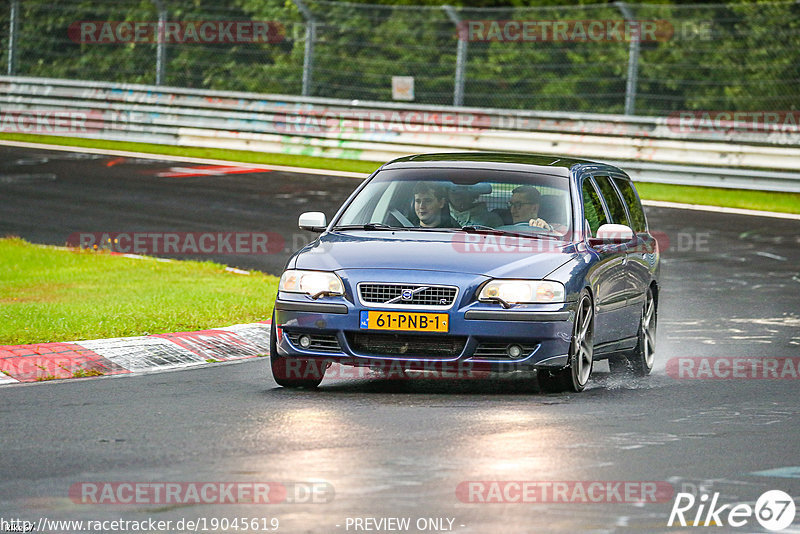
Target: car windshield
(457,199)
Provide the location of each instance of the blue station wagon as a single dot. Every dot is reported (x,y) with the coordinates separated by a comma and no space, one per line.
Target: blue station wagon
(485,261)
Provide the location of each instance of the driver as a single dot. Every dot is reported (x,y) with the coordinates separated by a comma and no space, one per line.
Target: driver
(524,206)
(430,205)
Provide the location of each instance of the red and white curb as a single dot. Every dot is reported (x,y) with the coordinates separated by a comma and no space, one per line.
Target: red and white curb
(127,355)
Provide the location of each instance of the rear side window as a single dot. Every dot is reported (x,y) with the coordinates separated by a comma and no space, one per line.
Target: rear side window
(613,201)
(634,206)
(593,207)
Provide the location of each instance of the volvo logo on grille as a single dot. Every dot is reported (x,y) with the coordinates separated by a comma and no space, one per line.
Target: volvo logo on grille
(407,294)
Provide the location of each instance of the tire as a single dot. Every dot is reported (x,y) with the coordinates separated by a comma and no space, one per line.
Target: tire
(640,360)
(642,357)
(575,375)
(291,372)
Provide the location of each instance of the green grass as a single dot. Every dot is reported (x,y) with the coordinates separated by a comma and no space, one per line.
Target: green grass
(245,156)
(85,373)
(49,294)
(712,196)
(715,196)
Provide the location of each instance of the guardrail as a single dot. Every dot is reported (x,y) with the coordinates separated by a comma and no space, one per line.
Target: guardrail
(651,149)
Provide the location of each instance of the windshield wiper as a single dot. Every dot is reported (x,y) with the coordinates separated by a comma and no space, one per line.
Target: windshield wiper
(368,226)
(482,229)
(377,226)
(471,228)
(479,228)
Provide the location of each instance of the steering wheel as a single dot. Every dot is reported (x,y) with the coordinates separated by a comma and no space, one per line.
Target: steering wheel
(535,229)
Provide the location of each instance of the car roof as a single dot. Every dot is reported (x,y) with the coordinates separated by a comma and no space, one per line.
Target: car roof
(547,164)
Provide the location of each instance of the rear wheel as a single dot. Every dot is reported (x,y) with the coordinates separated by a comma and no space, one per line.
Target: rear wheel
(640,360)
(579,367)
(643,356)
(292,372)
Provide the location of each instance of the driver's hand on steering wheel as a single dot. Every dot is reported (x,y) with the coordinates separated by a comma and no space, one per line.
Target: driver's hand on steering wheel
(541,223)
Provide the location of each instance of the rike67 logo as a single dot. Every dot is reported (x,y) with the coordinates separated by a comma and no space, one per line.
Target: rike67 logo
(774,510)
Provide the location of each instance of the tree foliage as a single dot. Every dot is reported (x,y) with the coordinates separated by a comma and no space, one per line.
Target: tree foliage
(735,56)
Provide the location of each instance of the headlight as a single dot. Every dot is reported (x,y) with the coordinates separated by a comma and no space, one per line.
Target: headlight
(523,291)
(311,282)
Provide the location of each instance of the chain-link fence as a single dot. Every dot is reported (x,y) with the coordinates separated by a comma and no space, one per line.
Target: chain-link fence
(645,59)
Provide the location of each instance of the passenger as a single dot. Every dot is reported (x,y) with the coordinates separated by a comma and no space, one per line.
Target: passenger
(430,205)
(524,207)
(466,210)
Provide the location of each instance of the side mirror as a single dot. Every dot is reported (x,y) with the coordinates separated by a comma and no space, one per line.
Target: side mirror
(612,234)
(314,221)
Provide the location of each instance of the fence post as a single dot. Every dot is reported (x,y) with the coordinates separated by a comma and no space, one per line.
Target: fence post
(461,57)
(161,44)
(13,30)
(308,53)
(633,62)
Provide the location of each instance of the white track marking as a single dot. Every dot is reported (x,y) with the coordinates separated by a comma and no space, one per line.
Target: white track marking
(5,379)
(183,159)
(720,209)
(348,174)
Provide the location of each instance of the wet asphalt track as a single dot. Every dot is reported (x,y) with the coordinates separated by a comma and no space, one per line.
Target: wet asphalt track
(400,449)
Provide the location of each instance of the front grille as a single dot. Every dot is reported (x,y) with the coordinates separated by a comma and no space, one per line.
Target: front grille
(319,342)
(417,294)
(498,351)
(404,345)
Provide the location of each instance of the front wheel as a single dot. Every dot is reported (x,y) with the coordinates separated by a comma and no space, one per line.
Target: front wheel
(579,367)
(292,372)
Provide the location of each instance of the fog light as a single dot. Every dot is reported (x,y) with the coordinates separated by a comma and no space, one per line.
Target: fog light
(514,351)
(305,341)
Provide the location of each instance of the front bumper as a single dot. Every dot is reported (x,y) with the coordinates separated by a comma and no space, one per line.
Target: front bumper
(479,335)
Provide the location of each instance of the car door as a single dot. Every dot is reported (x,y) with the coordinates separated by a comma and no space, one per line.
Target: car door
(607,277)
(625,312)
(641,258)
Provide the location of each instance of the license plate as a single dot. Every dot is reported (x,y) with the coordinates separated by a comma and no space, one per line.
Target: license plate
(405,321)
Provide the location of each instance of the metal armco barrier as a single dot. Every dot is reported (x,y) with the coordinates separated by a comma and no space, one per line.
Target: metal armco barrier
(652,149)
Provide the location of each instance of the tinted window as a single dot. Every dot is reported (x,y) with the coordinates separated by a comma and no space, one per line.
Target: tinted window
(592,207)
(613,201)
(452,198)
(634,206)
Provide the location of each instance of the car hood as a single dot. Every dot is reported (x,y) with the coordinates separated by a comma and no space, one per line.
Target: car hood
(492,255)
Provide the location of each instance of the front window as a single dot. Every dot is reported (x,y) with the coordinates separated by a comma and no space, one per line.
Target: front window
(514,201)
